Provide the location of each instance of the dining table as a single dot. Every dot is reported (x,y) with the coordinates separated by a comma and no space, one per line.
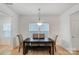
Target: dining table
(38,42)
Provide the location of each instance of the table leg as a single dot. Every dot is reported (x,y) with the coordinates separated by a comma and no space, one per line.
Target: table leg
(50,50)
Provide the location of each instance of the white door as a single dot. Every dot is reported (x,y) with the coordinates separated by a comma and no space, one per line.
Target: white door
(74,21)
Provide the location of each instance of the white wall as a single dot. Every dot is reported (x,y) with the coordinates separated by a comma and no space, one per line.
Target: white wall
(53,21)
(65,32)
(14,40)
(14,24)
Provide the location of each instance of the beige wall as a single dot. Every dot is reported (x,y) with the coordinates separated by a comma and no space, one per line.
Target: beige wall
(53,21)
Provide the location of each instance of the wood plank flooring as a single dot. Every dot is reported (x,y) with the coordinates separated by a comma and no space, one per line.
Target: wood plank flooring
(5,50)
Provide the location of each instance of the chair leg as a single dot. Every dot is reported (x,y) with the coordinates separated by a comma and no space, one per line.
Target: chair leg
(19,48)
(55,48)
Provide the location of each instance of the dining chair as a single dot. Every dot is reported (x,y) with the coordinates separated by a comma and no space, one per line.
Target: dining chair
(56,37)
(20,37)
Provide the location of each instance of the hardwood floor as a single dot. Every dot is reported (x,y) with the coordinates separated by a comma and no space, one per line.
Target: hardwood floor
(76,52)
(4,50)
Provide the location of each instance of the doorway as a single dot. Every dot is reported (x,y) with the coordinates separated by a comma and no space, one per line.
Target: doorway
(5,34)
(74,24)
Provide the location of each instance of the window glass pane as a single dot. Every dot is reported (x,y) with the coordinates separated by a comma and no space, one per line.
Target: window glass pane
(33,27)
(44,27)
(7,30)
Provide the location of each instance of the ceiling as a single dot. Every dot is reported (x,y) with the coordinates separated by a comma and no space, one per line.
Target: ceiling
(46,8)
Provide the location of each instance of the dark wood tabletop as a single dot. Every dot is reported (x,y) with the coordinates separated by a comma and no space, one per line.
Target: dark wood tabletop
(28,40)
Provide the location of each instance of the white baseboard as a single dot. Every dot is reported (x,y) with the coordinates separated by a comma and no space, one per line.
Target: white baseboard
(68,49)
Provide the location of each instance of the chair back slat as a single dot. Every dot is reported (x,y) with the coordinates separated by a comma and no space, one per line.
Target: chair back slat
(20,37)
(56,38)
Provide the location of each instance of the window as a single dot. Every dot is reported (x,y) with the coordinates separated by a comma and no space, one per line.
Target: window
(34,28)
(7,30)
